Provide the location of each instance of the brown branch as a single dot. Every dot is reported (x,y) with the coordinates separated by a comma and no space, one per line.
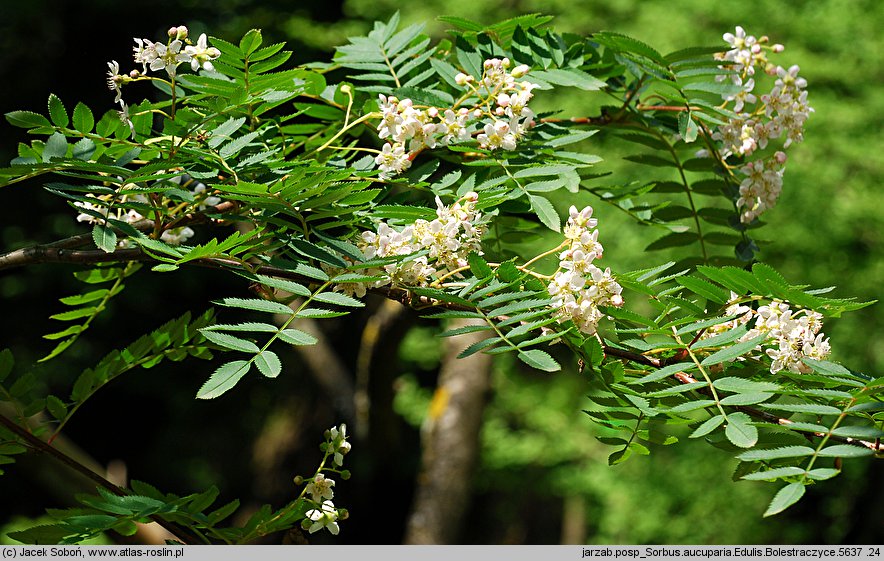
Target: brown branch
(62,251)
(183,534)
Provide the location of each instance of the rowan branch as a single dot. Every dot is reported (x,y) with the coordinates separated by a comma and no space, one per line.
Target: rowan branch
(56,253)
(183,534)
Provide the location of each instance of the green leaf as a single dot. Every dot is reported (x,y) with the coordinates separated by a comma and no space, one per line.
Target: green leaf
(785,497)
(788,471)
(283,284)
(808,408)
(56,407)
(83,118)
(230,342)
(56,147)
(845,451)
(27,119)
(569,77)
(104,237)
(733,351)
(268,363)
(250,41)
(776,453)
(708,426)
(864,432)
(746,398)
(740,430)
(478,266)
(540,360)
(256,304)
(57,112)
(732,384)
(338,299)
(704,288)
(545,212)
(826,368)
(297,337)
(247,326)
(821,474)
(224,379)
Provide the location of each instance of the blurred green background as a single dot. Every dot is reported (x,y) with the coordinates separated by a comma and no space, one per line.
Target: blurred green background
(541,465)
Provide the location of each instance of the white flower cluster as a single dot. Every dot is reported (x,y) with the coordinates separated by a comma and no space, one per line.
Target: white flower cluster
(781,113)
(579,287)
(500,112)
(792,334)
(440,245)
(161,56)
(325,515)
(106,206)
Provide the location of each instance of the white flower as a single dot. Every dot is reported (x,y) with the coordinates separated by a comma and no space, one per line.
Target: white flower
(320,488)
(145,52)
(115,79)
(497,135)
(324,517)
(168,57)
(177,236)
(201,54)
(392,160)
(210,200)
(339,444)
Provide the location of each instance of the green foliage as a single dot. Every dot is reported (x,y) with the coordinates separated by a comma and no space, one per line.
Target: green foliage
(288,157)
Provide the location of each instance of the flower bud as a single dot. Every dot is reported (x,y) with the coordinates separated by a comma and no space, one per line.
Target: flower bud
(345,474)
(520,71)
(433,112)
(780,157)
(298,480)
(181,32)
(505,62)
(778,48)
(172,33)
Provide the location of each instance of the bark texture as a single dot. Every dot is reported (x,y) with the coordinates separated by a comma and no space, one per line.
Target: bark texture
(450,442)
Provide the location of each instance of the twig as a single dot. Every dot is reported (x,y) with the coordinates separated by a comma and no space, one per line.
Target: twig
(181,533)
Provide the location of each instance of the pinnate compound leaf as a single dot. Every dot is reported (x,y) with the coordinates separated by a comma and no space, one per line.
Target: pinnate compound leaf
(224,379)
(785,497)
